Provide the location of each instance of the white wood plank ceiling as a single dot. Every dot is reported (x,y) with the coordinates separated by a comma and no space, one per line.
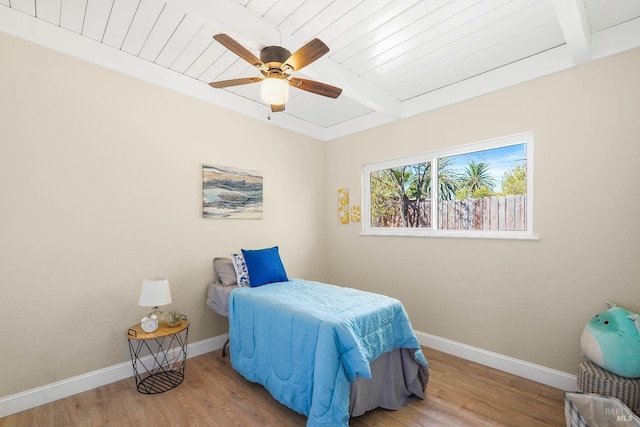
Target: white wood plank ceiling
(393,59)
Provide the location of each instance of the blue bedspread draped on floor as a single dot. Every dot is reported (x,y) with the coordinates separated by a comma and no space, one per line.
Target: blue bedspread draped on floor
(306,341)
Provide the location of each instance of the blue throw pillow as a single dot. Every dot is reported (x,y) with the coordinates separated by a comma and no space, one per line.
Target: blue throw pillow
(265,266)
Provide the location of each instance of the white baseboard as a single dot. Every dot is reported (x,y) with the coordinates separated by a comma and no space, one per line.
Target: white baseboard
(39,396)
(521,368)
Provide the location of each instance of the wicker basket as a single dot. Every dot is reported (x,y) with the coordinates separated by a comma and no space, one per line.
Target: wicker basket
(593,379)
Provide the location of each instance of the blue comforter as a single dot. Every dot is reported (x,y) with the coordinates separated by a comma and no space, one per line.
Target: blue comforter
(306,341)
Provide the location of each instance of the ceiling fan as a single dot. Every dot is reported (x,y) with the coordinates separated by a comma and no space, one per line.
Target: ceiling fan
(276,65)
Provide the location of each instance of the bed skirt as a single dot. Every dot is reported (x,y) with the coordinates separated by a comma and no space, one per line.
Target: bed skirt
(396,379)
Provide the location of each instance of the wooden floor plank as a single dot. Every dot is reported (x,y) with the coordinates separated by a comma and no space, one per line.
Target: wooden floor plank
(460,393)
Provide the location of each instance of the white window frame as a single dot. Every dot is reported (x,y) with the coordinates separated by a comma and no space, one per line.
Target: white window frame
(433,231)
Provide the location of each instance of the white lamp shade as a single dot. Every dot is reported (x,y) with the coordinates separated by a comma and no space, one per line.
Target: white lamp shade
(274,91)
(155,292)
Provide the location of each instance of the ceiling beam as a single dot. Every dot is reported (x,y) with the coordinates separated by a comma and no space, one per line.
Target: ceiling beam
(230,17)
(574,23)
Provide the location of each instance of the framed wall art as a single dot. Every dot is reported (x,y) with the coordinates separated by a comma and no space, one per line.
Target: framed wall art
(231,193)
(343,205)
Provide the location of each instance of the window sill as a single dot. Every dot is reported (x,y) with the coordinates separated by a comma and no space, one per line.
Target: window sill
(505,235)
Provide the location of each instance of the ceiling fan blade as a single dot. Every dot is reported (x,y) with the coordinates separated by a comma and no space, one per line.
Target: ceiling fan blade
(316,87)
(235,82)
(306,54)
(277,108)
(238,49)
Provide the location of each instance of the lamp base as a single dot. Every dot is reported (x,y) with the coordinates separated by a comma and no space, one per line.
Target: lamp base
(156,312)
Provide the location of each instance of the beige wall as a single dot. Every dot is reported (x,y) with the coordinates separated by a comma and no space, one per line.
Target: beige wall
(524,299)
(100,188)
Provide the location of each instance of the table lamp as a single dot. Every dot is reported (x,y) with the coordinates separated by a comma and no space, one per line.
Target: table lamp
(154,292)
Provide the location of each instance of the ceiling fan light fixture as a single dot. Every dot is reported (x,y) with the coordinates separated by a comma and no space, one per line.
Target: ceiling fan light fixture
(274,90)
(277,64)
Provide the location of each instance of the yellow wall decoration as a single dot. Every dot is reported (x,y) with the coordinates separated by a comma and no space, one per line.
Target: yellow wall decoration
(343,205)
(355,213)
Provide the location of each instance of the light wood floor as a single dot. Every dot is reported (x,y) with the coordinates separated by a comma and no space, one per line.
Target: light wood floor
(460,393)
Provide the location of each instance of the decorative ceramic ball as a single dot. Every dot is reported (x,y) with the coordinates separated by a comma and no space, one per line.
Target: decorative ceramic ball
(611,340)
(173,318)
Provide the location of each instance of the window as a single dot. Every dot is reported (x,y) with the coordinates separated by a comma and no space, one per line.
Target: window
(480,190)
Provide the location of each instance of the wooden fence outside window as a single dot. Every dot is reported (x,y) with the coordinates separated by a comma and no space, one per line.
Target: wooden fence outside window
(495,213)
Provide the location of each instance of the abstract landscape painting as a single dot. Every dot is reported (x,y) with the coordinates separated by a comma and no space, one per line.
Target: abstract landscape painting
(231,193)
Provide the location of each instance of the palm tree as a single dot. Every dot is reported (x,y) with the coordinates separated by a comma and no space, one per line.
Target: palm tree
(476,176)
(409,185)
(447,183)
(410,182)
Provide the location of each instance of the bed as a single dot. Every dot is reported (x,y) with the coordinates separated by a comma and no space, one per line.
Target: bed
(327,352)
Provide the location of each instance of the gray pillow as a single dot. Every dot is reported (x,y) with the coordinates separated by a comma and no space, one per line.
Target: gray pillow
(226,271)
